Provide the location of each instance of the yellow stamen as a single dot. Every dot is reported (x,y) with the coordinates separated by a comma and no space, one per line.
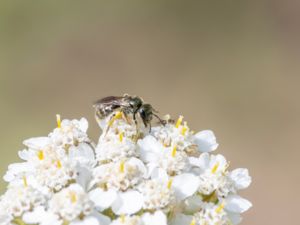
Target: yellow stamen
(193,222)
(121,135)
(73,197)
(58,120)
(25,181)
(169,185)
(122,167)
(40,155)
(116,117)
(122,218)
(184,128)
(179,121)
(174,151)
(220,208)
(215,168)
(58,164)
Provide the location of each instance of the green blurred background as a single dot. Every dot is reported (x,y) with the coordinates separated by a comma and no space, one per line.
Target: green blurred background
(230,66)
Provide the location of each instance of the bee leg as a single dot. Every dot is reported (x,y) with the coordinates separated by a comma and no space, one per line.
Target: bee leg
(147,122)
(136,122)
(110,122)
(163,122)
(115,116)
(125,113)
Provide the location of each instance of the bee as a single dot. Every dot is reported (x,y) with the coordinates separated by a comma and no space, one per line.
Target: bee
(128,105)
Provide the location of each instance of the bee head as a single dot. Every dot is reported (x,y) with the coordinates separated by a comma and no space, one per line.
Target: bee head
(135,103)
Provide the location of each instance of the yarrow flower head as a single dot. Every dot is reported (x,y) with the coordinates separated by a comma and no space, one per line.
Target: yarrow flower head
(134,175)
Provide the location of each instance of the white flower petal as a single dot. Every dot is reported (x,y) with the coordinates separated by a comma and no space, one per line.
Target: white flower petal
(103,220)
(139,164)
(17,168)
(149,149)
(193,204)
(24,154)
(202,162)
(160,175)
(185,185)
(37,142)
(237,204)
(83,154)
(235,218)
(86,221)
(83,124)
(194,161)
(128,202)
(83,150)
(84,176)
(182,219)
(206,141)
(158,218)
(35,216)
(220,161)
(92,220)
(240,178)
(102,199)
(40,216)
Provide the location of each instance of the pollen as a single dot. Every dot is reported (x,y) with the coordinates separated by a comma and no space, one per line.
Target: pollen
(169,185)
(58,120)
(179,121)
(73,197)
(215,168)
(25,181)
(122,167)
(220,208)
(58,164)
(184,128)
(40,155)
(193,222)
(118,115)
(174,151)
(121,136)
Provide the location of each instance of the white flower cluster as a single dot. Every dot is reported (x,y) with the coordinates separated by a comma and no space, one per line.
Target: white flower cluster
(133,176)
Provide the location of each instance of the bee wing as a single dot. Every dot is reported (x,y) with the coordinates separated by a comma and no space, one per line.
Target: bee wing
(110,100)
